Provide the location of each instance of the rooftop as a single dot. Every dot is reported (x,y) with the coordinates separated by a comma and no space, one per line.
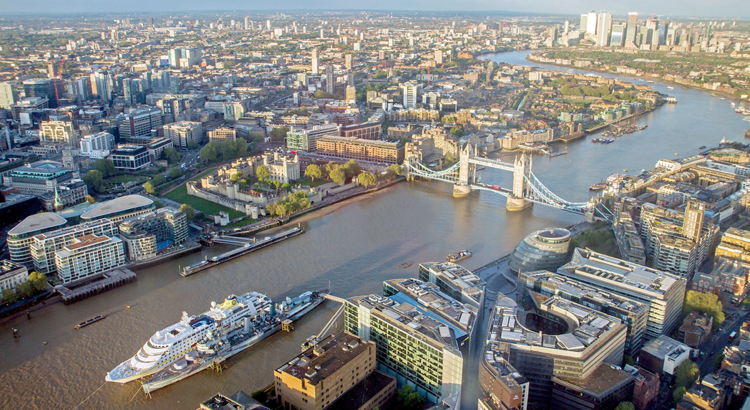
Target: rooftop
(117,205)
(663,346)
(586,326)
(582,290)
(630,275)
(38,222)
(459,277)
(72,229)
(326,358)
(362,392)
(601,382)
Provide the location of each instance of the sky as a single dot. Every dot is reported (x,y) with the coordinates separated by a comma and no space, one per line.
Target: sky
(729,9)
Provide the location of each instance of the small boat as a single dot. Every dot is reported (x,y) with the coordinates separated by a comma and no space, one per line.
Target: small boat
(670,87)
(461,255)
(702,147)
(676,153)
(598,187)
(404,265)
(624,170)
(90,321)
(733,104)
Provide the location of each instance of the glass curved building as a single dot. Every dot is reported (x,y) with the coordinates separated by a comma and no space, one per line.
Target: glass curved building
(545,249)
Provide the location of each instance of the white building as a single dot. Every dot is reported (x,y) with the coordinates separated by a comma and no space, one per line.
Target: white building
(97,145)
(11,275)
(411,92)
(281,167)
(45,245)
(88,256)
(51,132)
(181,133)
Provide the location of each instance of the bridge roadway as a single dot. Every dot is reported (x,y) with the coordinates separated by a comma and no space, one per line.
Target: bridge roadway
(491,163)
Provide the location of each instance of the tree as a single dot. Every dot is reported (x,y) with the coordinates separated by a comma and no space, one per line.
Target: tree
(192,144)
(90,199)
(337,175)
(395,169)
(149,187)
(352,168)
(158,204)
(9,296)
(449,157)
(38,281)
(94,178)
(279,134)
(173,156)
(687,373)
(625,405)
(313,171)
(174,173)
(367,179)
(718,360)
(678,393)
(158,180)
(106,167)
(627,359)
(236,177)
(24,290)
(188,210)
(262,173)
(408,399)
(707,303)
(286,186)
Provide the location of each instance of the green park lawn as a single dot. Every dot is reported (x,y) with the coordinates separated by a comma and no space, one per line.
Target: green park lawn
(313,184)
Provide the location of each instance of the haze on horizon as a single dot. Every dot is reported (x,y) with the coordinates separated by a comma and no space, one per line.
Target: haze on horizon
(727,9)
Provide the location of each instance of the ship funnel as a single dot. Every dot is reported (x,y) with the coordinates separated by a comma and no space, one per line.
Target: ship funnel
(247,324)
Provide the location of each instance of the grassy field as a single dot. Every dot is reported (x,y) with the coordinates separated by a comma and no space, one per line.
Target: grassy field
(180,195)
(313,184)
(241,223)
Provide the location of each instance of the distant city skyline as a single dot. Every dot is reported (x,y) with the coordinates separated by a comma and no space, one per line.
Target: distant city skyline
(721,9)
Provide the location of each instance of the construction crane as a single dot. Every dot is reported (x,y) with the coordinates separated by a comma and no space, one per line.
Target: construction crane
(314,339)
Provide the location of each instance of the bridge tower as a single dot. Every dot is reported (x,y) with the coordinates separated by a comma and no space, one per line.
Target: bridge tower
(521,170)
(465,170)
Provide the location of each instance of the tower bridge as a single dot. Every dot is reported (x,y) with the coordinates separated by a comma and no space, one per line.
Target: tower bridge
(526,190)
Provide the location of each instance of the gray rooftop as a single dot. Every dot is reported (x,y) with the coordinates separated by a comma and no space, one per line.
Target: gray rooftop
(117,205)
(38,222)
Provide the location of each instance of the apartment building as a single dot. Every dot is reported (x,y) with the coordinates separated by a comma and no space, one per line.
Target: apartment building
(454,280)
(87,256)
(11,275)
(419,333)
(183,132)
(306,139)
(140,122)
(361,150)
(334,368)
(44,246)
(22,235)
(146,235)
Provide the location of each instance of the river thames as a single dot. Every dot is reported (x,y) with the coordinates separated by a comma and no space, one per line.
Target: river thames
(352,250)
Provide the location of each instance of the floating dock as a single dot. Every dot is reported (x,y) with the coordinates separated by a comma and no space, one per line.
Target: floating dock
(241,251)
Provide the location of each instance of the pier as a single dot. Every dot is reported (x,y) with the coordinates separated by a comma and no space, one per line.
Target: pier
(93,285)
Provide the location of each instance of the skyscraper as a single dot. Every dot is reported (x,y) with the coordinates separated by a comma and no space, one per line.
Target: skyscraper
(591,23)
(330,79)
(247,23)
(603,29)
(411,89)
(348,61)
(8,95)
(618,35)
(315,62)
(438,56)
(632,29)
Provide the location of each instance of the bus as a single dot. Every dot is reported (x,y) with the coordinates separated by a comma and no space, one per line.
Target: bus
(732,336)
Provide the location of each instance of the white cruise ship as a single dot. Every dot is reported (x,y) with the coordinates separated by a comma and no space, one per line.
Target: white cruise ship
(170,344)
